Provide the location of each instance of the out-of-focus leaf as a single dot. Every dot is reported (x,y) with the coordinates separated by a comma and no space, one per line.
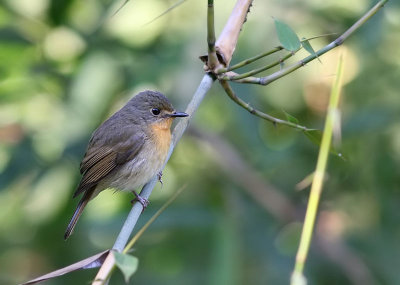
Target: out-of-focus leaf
(290,118)
(315,136)
(307,46)
(288,238)
(128,264)
(287,37)
(303,184)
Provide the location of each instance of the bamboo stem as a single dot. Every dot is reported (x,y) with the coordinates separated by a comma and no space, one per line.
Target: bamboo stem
(316,187)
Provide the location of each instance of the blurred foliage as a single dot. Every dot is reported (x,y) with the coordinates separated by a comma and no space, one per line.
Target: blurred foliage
(66,65)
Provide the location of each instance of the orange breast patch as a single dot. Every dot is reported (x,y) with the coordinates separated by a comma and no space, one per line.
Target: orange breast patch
(161,135)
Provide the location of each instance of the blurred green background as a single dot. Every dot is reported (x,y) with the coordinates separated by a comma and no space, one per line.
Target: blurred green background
(66,65)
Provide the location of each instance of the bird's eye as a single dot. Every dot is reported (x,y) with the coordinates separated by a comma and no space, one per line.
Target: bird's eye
(155,111)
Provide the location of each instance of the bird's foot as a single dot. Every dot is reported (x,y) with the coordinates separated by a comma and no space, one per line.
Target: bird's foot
(159,177)
(141,200)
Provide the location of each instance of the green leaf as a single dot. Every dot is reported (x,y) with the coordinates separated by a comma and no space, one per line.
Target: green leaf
(290,118)
(128,264)
(287,37)
(307,46)
(315,136)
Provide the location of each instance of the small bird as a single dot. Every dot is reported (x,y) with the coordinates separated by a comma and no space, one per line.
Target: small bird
(127,150)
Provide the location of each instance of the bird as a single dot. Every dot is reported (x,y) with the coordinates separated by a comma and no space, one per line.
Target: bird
(127,150)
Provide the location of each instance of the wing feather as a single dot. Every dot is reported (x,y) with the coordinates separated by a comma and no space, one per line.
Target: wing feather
(100,160)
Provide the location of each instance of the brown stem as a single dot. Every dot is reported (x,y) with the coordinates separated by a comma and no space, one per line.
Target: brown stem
(227,40)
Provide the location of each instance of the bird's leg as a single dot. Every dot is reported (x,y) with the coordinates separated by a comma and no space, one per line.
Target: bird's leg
(159,177)
(141,200)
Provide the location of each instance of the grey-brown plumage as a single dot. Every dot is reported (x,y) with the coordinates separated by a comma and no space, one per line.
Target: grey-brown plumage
(127,150)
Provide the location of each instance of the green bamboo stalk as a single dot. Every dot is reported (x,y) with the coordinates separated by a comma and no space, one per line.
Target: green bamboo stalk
(316,187)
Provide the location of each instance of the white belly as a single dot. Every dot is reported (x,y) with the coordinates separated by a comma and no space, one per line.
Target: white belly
(134,173)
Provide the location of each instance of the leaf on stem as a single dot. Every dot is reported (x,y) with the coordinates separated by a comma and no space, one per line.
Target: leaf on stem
(315,136)
(128,264)
(287,37)
(290,118)
(307,46)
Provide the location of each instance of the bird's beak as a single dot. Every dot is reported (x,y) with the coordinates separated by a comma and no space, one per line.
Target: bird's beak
(178,114)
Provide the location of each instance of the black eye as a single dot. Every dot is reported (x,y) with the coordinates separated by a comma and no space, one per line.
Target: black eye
(155,111)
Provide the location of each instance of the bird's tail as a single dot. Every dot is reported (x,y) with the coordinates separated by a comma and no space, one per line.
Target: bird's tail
(79,209)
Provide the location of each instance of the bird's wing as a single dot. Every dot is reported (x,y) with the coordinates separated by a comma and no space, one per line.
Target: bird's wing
(101,159)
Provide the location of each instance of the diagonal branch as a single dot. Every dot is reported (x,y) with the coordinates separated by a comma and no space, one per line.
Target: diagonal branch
(108,266)
(256,112)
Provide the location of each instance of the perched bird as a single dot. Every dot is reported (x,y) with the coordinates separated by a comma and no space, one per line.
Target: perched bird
(127,150)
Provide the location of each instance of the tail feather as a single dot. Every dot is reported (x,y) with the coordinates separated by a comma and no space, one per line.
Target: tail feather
(79,209)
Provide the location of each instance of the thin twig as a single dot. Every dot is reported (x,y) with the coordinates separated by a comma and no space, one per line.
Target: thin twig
(152,219)
(261,55)
(178,3)
(283,72)
(249,60)
(256,112)
(256,71)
